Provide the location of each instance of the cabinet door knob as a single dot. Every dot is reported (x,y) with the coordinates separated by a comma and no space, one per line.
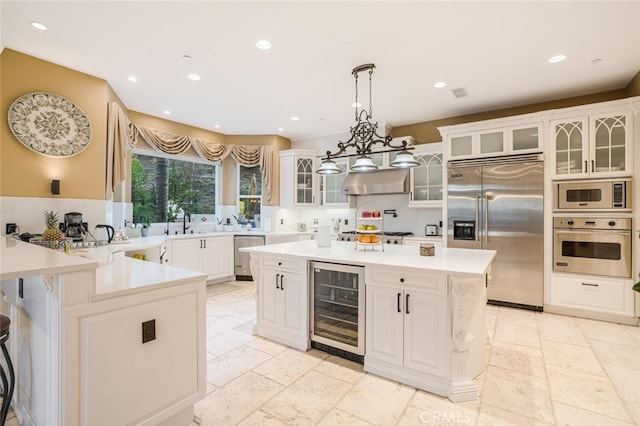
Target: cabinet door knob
(401,280)
(279,263)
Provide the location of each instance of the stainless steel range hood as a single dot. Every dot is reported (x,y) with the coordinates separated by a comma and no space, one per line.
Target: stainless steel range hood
(388,181)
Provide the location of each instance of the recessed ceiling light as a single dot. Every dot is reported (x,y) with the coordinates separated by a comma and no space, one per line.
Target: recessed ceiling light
(217,126)
(263,44)
(439,84)
(356,104)
(557,58)
(194,77)
(38,25)
(596,61)
(294,118)
(280,129)
(132,78)
(186,56)
(167,112)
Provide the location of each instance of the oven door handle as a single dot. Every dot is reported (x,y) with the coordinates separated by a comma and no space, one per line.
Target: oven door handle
(616,232)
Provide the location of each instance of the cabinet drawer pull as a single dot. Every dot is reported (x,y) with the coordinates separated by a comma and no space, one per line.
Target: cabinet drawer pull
(279,263)
(277,276)
(590,284)
(406,304)
(401,280)
(399,310)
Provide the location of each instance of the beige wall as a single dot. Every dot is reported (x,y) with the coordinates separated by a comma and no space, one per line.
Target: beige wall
(633,89)
(25,173)
(427,132)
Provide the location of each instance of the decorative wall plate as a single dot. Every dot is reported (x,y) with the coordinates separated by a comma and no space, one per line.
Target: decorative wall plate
(49,124)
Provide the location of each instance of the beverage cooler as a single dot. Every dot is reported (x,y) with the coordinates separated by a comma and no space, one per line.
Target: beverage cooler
(337,308)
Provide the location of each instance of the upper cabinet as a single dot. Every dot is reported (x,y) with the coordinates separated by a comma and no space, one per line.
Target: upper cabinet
(592,146)
(426,179)
(331,186)
(519,139)
(298,179)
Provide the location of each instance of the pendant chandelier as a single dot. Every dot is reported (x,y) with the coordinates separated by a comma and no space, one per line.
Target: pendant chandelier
(364,136)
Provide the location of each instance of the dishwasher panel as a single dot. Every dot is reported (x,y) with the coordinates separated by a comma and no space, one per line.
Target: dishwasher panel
(240,259)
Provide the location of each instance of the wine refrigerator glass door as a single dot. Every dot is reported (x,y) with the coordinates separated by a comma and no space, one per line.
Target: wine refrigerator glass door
(337,311)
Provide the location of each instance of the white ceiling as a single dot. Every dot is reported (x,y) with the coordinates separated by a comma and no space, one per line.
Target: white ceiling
(498,51)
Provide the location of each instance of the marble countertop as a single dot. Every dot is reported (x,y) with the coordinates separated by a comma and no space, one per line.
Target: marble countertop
(19,259)
(454,260)
(123,275)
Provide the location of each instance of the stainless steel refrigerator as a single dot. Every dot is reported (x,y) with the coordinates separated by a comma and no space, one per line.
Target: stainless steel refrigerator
(497,204)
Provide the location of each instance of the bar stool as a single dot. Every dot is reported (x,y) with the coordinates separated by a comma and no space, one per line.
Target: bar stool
(7,385)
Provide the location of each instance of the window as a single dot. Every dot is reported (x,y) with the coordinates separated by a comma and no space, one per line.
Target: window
(249,195)
(163,189)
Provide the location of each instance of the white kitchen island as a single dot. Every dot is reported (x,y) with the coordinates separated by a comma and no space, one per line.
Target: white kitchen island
(437,345)
(99,338)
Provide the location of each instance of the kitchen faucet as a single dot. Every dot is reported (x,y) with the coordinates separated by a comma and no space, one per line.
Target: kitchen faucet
(184,222)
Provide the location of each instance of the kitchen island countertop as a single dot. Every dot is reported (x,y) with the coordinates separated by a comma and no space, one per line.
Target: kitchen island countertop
(453,260)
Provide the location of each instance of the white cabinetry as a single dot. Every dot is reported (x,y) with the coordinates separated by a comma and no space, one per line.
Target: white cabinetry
(283,301)
(211,255)
(594,294)
(406,321)
(331,186)
(598,145)
(517,139)
(426,180)
(298,179)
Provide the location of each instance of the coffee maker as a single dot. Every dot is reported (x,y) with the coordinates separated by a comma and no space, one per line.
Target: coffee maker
(74,228)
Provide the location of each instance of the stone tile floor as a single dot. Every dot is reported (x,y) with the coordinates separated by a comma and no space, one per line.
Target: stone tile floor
(542,369)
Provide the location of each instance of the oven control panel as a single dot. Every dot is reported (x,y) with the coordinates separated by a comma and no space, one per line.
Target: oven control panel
(591,223)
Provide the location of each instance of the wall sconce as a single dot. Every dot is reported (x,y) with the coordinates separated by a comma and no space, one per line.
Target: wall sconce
(55,187)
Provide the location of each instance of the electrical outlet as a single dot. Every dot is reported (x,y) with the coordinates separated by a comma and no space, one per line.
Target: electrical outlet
(346,221)
(148,331)
(281,221)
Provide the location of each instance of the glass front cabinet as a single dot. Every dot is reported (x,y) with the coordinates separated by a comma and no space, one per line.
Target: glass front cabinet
(331,186)
(493,142)
(593,146)
(426,179)
(298,180)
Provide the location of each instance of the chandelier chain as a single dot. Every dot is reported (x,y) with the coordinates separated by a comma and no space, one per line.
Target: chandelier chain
(370,93)
(356,104)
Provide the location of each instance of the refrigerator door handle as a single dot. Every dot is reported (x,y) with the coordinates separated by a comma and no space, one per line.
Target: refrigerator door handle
(477,216)
(485,226)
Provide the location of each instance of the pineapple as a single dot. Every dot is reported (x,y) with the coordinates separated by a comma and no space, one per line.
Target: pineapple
(52,233)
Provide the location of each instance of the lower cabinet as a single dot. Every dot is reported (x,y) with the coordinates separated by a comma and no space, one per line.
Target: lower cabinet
(406,325)
(283,301)
(127,378)
(211,255)
(593,293)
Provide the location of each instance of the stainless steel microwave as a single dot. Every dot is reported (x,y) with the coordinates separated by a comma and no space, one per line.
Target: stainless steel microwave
(593,195)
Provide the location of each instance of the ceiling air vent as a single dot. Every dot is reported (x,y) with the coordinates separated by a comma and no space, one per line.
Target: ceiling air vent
(460,92)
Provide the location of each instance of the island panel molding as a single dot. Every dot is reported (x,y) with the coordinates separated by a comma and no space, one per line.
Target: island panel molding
(49,124)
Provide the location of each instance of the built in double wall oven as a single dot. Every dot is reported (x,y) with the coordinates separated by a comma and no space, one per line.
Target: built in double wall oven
(592,245)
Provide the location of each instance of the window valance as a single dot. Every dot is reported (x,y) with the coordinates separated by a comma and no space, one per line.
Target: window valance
(121,133)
